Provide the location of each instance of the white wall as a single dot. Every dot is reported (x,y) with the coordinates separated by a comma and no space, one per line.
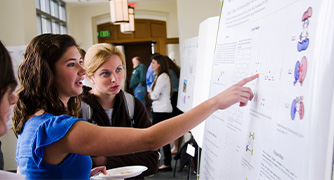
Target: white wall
(17,22)
(80,22)
(191,13)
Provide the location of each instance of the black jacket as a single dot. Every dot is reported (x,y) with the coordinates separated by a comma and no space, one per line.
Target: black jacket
(120,118)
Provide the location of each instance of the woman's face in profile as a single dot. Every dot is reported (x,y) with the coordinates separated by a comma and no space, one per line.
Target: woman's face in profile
(7,101)
(69,74)
(155,65)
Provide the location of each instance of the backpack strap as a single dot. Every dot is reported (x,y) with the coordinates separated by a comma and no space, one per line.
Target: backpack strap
(129,106)
(86,111)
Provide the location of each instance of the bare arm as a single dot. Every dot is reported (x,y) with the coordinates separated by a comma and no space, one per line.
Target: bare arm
(85,138)
(167,131)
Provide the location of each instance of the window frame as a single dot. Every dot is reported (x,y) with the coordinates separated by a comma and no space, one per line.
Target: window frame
(49,18)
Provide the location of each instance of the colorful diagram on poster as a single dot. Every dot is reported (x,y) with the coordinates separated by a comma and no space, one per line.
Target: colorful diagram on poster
(185,85)
(220,75)
(249,146)
(269,76)
(300,71)
(303,37)
(297,106)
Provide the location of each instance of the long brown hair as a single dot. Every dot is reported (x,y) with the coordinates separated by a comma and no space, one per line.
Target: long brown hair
(37,78)
(164,68)
(7,79)
(173,66)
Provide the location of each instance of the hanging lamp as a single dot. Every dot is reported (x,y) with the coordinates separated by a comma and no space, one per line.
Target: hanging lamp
(119,12)
(129,27)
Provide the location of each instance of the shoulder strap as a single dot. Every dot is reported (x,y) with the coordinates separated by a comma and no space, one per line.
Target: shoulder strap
(130,106)
(86,111)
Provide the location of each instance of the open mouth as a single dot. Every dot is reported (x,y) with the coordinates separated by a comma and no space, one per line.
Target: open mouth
(79,83)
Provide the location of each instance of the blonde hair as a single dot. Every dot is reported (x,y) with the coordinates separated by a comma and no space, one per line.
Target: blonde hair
(97,54)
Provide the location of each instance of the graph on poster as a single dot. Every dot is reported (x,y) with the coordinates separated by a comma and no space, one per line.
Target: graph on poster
(276,136)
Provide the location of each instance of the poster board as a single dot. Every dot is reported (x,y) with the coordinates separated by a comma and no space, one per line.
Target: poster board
(187,74)
(196,59)
(286,131)
(207,36)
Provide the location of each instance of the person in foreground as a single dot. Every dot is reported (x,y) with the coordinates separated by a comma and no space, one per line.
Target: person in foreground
(43,75)
(106,69)
(7,97)
(54,144)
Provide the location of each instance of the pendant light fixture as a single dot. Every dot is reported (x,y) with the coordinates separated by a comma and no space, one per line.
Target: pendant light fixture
(129,27)
(119,12)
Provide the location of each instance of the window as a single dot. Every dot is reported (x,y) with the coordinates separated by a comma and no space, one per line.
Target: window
(51,16)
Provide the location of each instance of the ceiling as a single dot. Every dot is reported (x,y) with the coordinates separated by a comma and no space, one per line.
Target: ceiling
(86,2)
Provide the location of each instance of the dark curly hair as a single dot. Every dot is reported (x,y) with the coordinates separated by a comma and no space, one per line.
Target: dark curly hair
(36,75)
(7,79)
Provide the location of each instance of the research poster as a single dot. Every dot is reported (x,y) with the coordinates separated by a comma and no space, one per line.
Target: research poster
(187,74)
(285,131)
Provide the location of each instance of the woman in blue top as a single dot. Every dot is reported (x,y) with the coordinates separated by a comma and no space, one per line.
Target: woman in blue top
(54,144)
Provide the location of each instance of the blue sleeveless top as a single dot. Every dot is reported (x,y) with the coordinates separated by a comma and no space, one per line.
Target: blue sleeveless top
(41,131)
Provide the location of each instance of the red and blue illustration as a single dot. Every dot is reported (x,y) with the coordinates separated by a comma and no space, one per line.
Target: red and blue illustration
(297,106)
(303,37)
(300,71)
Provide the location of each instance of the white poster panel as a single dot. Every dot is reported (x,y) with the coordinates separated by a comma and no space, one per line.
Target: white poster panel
(207,36)
(284,132)
(187,74)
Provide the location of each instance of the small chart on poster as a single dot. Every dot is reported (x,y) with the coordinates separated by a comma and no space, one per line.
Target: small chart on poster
(274,136)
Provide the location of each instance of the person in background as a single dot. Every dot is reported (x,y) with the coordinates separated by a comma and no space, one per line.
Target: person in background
(161,106)
(106,70)
(150,76)
(54,144)
(7,97)
(138,80)
(175,77)
(85,82)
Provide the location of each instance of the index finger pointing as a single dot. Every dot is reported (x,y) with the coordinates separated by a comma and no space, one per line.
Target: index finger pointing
(248,79)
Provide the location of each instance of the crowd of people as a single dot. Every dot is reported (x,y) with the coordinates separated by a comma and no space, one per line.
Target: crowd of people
(65,129)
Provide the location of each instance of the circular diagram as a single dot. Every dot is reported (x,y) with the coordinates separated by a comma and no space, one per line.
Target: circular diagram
(300,71)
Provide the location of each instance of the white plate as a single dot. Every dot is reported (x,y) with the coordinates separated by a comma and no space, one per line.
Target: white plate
(122,172)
